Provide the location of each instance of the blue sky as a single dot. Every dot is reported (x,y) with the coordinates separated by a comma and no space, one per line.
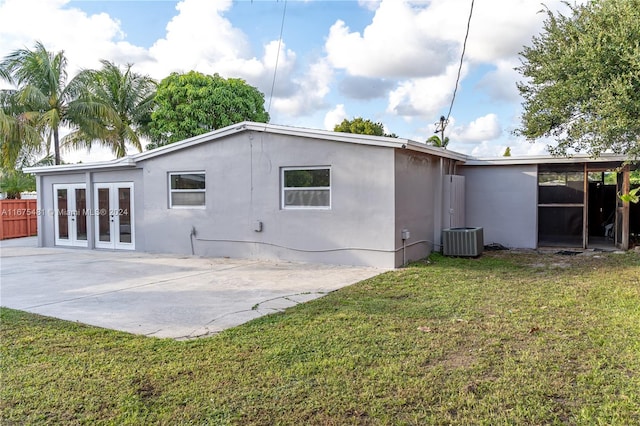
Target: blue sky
(391,61)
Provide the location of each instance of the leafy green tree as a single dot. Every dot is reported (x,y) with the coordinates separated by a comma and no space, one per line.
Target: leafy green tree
(507,152)
(361,126)
(194,103)
(42,98)
(436,141)
(633,196)
(128,96)
(14,182)
(582,79)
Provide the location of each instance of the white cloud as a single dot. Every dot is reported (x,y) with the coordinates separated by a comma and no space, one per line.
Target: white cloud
(498,30)
(483,128)
(519,147)
(334,117)
(199,38)
(397,43)
(523,147)
(485,149)
(286,65)
(424,97)
(84,38)
(313,86)
(500,84)
(419,39)
(369,4)
(97,153)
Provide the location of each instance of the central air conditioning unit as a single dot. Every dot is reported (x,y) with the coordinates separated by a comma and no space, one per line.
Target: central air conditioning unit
(462,242)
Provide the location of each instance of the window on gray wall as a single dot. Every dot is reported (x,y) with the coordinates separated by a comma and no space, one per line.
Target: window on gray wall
(187,190)
(306,188)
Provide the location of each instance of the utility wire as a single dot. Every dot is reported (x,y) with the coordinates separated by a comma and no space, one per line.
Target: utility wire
(464,47)
(275,69)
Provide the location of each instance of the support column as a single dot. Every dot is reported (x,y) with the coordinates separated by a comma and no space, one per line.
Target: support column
(585,209)
(91,208)
(40,212)
(626,187)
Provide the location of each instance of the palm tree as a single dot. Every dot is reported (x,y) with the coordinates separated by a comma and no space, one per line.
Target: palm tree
(435,141)
(18,138)
(43,95)
(129,98)
(14,182)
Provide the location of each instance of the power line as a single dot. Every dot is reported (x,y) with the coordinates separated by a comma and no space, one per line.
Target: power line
(464,48)
(275,69)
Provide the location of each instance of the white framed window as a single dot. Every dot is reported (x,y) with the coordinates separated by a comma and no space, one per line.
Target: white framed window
(306,187)
(187,190)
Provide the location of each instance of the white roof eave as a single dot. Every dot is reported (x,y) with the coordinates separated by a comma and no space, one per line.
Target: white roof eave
(126,162)
(544,159)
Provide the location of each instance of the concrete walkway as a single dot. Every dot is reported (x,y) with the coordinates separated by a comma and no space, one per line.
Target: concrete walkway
(180,297)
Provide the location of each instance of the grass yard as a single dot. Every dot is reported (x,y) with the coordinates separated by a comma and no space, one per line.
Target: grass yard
(509,338)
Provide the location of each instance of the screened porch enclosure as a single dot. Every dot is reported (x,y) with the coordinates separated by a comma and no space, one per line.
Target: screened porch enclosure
(578,205)
(560,205)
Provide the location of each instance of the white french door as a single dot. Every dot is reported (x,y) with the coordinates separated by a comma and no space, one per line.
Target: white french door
(70,218)
(114,225)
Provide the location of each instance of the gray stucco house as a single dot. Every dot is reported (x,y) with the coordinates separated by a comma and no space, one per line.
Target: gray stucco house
(264,191)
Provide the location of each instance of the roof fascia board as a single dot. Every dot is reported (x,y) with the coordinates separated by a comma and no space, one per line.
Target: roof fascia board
(382,141)
(508,161)
(126,162)
(440,152)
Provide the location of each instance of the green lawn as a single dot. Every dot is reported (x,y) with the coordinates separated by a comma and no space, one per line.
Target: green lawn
(509,338)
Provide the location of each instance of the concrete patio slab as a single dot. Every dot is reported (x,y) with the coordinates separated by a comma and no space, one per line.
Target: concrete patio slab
(180,297)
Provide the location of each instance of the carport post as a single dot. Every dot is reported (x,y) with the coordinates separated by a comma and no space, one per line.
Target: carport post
(626,187)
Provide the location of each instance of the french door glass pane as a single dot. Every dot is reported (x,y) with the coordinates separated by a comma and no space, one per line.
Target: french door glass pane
(124,210)
(63,214)
(81,214)
(104,219)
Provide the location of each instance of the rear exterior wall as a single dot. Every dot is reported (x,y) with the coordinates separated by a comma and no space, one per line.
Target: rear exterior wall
(504,201)
(243,175)
(417,176)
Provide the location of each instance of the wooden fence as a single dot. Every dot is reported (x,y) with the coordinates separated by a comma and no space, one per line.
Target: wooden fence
(18,218)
